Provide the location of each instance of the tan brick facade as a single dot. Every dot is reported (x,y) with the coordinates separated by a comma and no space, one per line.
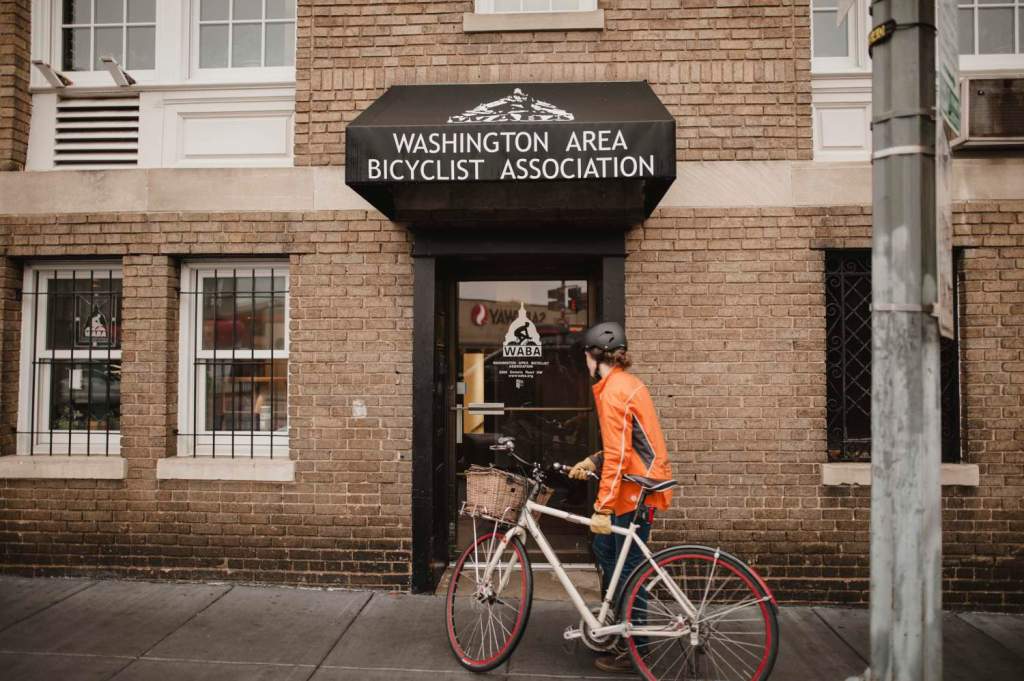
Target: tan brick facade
(725,308)
(735,74)
(726,312)
(345,520)
(15,103)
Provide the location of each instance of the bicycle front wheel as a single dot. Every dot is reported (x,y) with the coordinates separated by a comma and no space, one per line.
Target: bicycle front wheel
(486,618)
(736,629)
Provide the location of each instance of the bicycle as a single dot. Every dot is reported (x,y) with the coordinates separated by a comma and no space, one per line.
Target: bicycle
(687,612)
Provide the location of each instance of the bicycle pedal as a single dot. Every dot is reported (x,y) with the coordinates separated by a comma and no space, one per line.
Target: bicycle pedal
(572,633)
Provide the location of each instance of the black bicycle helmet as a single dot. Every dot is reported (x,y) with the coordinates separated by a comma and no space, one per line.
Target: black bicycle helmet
(606,336)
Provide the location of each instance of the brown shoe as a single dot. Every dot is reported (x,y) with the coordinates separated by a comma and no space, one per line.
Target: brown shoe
(614,663)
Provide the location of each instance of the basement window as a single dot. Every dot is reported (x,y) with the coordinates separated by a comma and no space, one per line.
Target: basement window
(233,399)
(71,361)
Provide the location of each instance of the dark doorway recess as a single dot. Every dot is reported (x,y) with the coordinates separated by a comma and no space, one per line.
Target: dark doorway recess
(468,288)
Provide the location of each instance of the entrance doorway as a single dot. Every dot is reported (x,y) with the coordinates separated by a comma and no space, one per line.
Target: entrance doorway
(518,371)
(497,320)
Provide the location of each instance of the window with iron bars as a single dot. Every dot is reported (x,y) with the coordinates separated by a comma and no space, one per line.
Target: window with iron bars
(848,360)
(233,398)
(70,381)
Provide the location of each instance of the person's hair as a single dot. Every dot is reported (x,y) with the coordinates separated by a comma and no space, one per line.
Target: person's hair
(616,358)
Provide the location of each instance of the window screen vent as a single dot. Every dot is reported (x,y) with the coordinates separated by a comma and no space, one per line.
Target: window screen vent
(97,133)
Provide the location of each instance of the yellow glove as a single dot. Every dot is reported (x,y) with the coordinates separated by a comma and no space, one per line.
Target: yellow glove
(582,470)
(601,523)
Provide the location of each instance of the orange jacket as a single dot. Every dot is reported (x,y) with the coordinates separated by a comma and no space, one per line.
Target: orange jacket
(632,442)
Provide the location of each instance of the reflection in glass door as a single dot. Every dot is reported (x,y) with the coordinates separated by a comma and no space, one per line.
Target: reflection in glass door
(518,352)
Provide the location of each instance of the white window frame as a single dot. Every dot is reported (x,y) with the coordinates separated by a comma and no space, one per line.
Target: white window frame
(237,74)
(192,397)
(176,61)
(981,64)
(856,60)
(93,78)
(487,7)
(33,327)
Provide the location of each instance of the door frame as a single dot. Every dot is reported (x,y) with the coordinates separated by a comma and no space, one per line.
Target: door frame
(430,289)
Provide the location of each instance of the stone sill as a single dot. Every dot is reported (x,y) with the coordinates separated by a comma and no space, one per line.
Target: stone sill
(533,21)
(63,467)
(953,474)
(209,468)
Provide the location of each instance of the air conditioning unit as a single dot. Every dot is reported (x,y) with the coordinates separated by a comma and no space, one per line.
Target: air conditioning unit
(992,112)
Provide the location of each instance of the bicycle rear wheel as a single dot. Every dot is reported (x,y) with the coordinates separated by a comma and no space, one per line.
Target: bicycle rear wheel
(486,618)
(738,632)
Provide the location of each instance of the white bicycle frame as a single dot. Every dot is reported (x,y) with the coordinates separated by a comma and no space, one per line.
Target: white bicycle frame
(527,523)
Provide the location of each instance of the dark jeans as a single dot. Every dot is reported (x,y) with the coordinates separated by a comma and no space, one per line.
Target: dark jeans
(607,548)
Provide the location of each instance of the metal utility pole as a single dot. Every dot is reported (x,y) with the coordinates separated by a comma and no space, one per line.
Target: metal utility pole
(906,540)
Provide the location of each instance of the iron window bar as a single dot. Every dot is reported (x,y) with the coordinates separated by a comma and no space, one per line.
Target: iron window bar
(231,370)
(101,311)
(848,359)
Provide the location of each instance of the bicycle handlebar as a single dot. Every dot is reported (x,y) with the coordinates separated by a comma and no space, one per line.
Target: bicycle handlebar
(562,468)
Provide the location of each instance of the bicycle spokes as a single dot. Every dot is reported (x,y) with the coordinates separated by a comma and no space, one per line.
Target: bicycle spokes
(732,637)
(486,613)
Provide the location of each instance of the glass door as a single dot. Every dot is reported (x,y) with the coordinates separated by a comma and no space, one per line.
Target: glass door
(519,371)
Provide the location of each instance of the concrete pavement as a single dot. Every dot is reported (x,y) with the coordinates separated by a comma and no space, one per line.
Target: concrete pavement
(95,630)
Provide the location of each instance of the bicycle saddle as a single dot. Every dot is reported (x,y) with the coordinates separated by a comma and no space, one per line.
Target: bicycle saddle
(649,484)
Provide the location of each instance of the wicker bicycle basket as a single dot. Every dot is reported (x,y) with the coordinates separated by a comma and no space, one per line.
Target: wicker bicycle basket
(498,495)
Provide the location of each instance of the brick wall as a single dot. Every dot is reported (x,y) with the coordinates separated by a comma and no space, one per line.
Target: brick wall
(725,310)
(726,316)
(734,73)
(15,102)
(346,518)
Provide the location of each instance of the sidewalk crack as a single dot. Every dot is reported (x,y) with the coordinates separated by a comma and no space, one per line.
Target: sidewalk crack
(47,607)
(340,636)
(163,638)
(842,638)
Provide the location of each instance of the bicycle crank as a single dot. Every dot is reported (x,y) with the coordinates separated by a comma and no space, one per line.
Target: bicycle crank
(599,644)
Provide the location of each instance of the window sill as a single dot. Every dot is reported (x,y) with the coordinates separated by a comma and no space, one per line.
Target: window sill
(210,468)
(533,21)
(63,467)
(839,474)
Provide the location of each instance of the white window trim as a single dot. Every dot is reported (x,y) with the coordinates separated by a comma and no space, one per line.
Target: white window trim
(855,473)
(487,7)
(95,445)
(247,74)
(977,63)
(857,61)
(176,58)
(190,409)
(91,78)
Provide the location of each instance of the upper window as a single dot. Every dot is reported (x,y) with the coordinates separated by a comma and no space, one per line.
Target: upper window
(122,29)
(71,360)
(246,33)
(991,27)
(831,39)
(837,46)
(234,380)
(990,36)
(848,360)
(503,6)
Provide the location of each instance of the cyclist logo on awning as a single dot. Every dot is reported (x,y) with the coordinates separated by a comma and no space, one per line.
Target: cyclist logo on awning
(517,107)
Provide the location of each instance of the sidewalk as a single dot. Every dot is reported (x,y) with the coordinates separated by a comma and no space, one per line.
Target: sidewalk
(91,630)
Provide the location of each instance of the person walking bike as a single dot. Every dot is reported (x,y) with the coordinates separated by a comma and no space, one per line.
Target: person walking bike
(632,444)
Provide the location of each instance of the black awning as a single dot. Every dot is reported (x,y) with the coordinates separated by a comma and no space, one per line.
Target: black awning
(513,152)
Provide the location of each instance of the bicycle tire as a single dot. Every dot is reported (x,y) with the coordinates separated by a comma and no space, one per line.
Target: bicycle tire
(485,645)
(737,626)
